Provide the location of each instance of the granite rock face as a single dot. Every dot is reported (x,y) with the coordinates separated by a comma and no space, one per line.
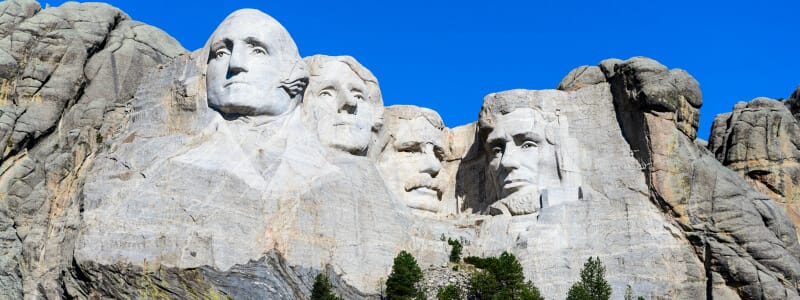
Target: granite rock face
(132,169)
(759,140)
(793,102)
(747,243)
(67,73)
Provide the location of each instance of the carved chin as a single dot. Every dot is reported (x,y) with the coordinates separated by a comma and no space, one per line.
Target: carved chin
(347,138)
(423,199)
(242,99)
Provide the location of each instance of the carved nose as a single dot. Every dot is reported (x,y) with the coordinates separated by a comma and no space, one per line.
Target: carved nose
(347,104)
(510,159)
(237,63)
(431,164)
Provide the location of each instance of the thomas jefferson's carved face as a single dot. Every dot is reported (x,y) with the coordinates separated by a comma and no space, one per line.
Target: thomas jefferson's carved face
(344,114)
(246,65)
(411,164)
(515,146)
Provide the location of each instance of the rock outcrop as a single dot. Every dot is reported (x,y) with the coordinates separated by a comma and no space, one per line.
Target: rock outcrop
(133,169)
(760,140)
(744,239)
(67,73)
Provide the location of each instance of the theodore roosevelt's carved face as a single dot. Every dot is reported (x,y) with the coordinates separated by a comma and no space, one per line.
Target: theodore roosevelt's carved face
(250,65)
(340,103)
(412,160)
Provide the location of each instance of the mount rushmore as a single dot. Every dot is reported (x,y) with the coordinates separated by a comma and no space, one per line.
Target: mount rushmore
(132,168)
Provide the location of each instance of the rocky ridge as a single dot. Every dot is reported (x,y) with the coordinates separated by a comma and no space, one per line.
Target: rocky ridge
(118,181)
(67,73)
(759,140)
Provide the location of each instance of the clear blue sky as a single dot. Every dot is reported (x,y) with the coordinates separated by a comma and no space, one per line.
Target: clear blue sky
(447,56)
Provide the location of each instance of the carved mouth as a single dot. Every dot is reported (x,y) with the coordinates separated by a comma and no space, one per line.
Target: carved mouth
(344,123)
(434,192)
(348,120)
(515,183)
(229,83)
(423,184)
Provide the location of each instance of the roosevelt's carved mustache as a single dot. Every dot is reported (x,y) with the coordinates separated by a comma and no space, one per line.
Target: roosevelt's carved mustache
(424,180)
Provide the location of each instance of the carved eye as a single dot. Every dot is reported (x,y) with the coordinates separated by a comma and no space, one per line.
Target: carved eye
(357,94)
(259,51)
(326,93)
(497,150)
(221,52)
(411,149)
(529,144)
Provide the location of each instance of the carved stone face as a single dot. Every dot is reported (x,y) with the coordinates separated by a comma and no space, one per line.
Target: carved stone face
(411,163)
(515,147)
(338,99)
(250,55)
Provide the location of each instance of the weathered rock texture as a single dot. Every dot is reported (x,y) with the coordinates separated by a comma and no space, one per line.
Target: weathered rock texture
(66,75)
(747,244)
(760,140)
(119,181)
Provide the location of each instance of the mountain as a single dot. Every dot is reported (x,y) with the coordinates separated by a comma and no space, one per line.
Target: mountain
(133,168)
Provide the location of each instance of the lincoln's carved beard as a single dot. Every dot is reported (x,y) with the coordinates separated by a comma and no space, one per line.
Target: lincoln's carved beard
(519,203)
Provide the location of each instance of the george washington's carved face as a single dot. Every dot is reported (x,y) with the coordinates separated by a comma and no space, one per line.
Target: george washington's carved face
(250,56)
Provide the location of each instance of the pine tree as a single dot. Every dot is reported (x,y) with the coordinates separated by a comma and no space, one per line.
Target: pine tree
(322,289)
(629,294)
(449,292)
(455,253)
(500,278)
(593,285)
(402,282)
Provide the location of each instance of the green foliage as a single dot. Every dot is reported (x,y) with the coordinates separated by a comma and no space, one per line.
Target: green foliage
(531,293)
(629,294)
(593,285)
(449,292)
(578,292)
(455,253)
(322,289)
(483,284)
(500,278)
(479,262)
(402,282)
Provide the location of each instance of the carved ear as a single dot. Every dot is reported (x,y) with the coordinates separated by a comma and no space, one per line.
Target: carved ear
(297,80)
(295,87)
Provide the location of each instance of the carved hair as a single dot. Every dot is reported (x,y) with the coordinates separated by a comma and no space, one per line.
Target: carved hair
(408,112)
(498,104)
